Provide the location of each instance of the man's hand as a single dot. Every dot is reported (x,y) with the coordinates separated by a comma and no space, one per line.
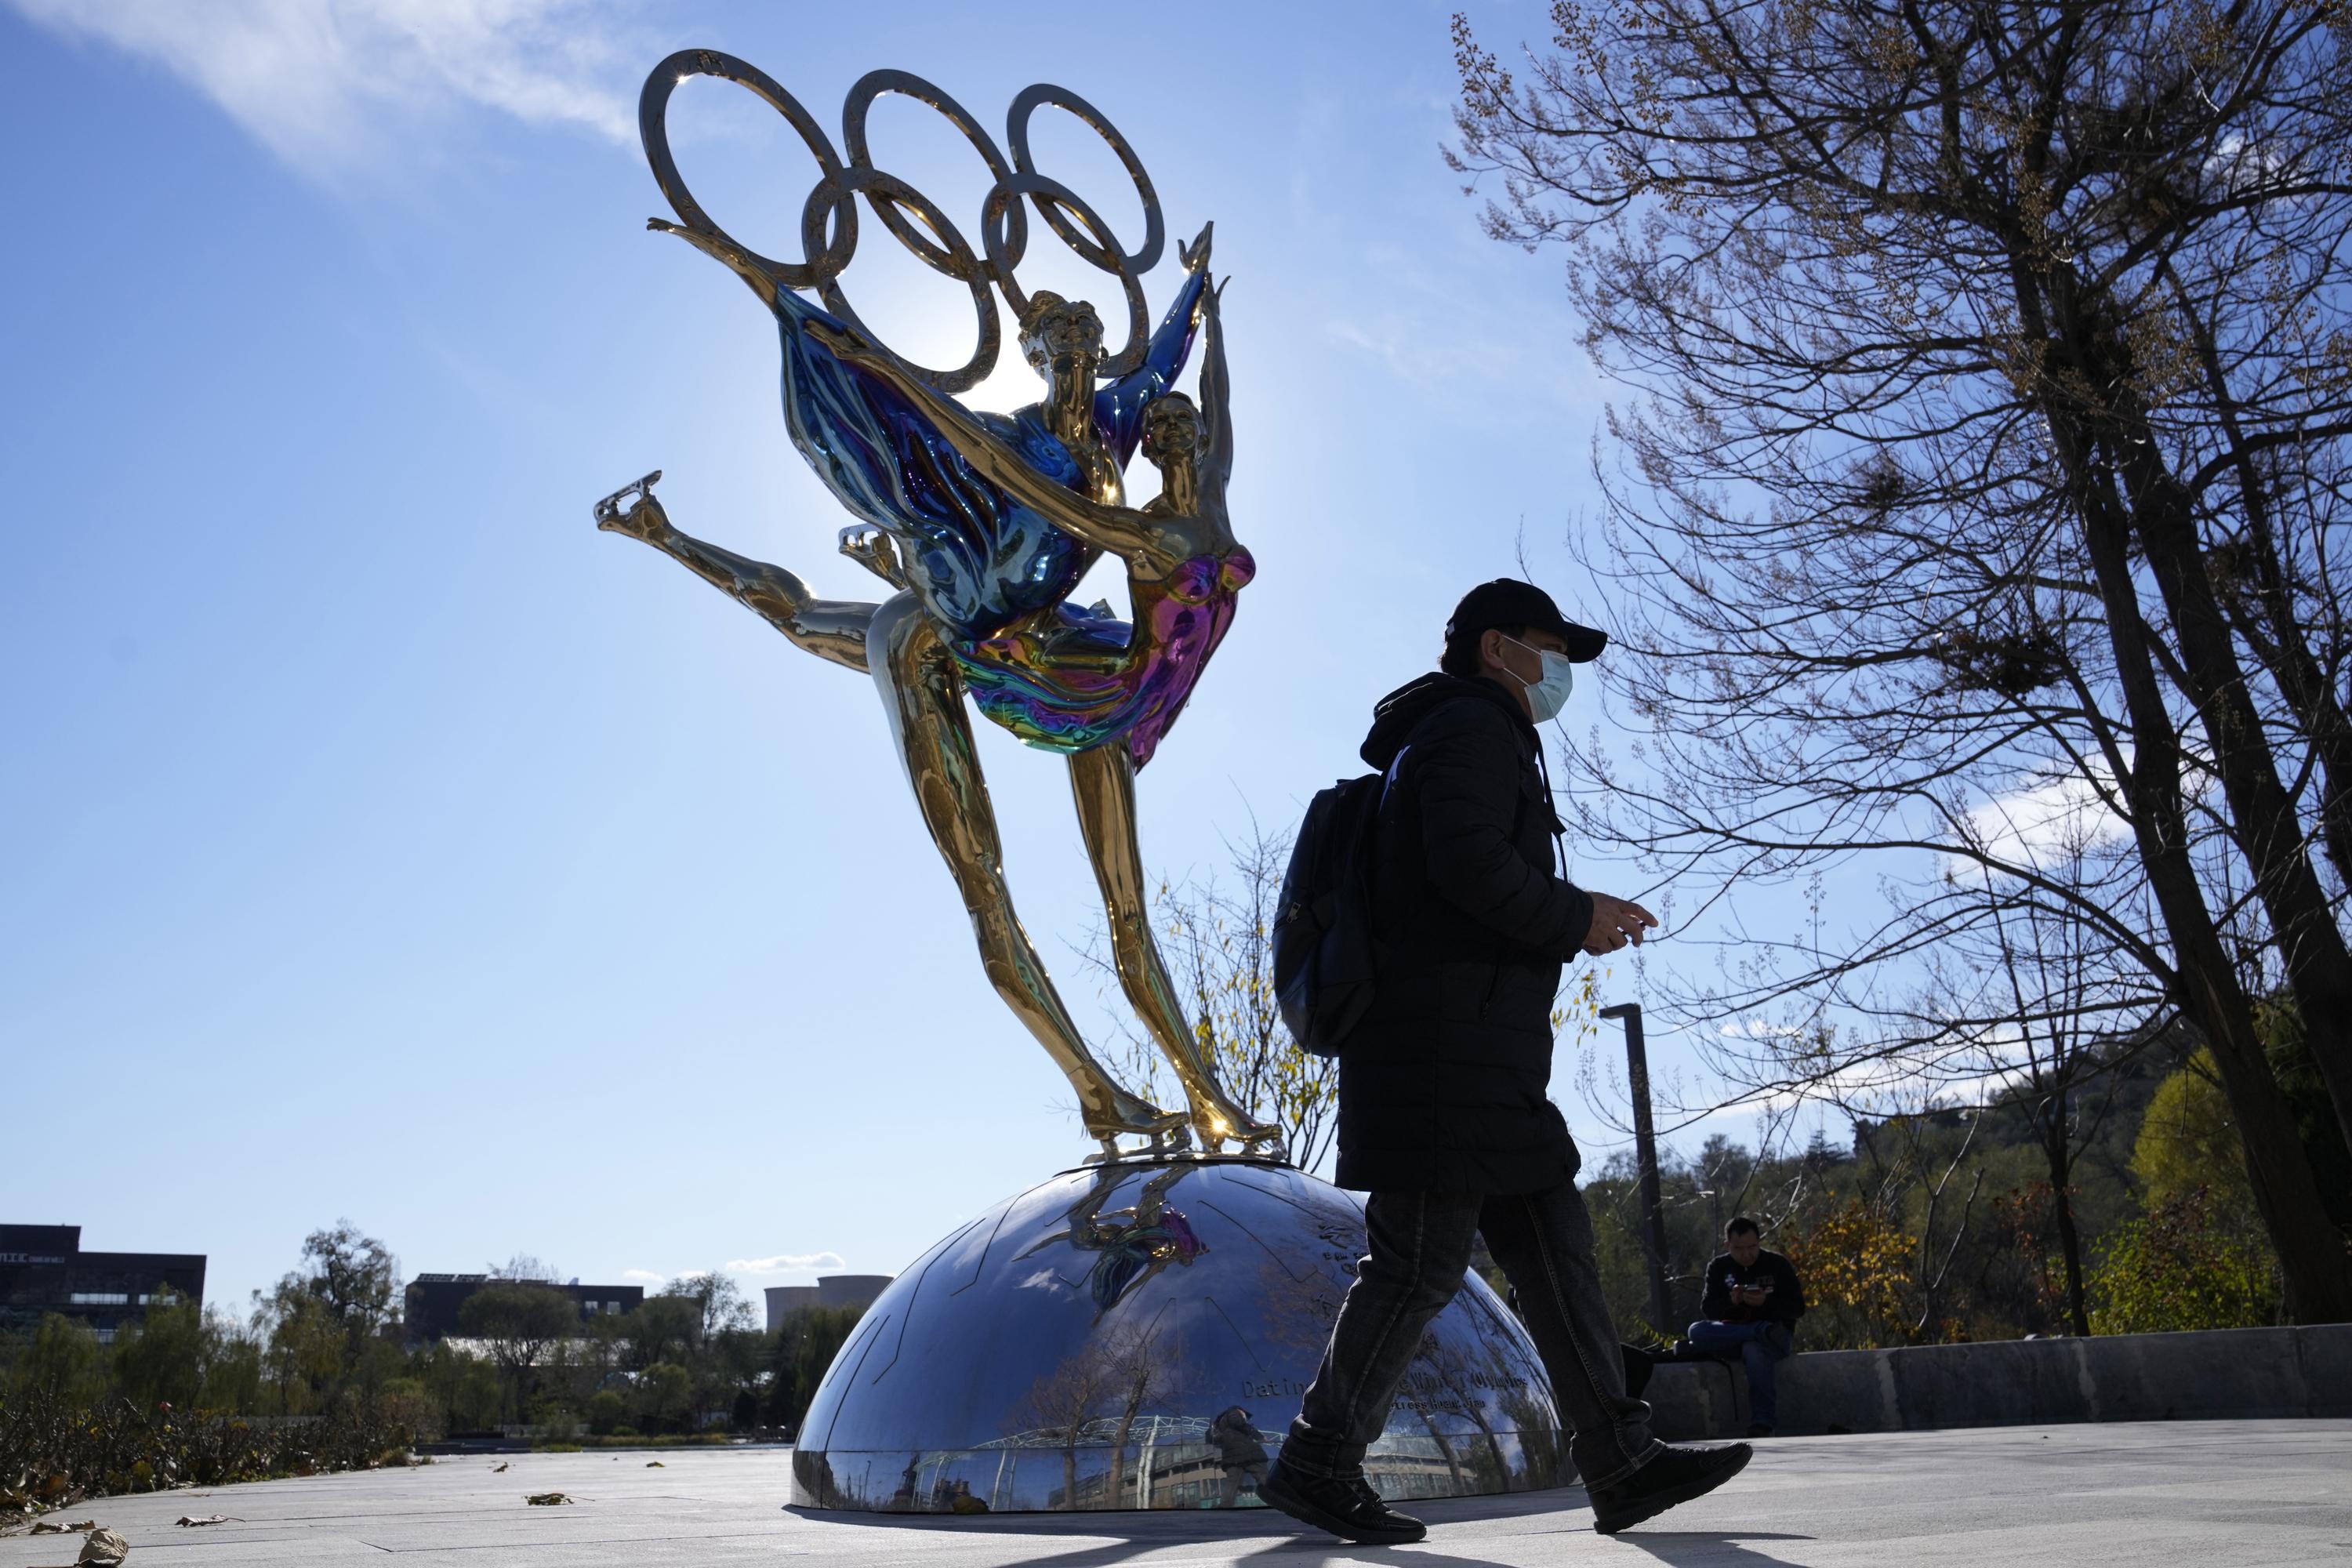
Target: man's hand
(1616,922)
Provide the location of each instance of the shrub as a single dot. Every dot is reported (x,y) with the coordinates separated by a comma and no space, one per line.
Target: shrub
(1856,1267)
(55,1450)
(2174,1269)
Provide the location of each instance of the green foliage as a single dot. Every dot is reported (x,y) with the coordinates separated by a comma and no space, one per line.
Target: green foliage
(464,1392)
(2188,1143)
(1857,1223)
(322,1356)
(520,1320)
(607,1412)
(165,1359)
(352,1274)
(520,1316)
(2175,1268)
(663,1392)
(806,1341)
(719,1306)
(65,1363)
(664,1330)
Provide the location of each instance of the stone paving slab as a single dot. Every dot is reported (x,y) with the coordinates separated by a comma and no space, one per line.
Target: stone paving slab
(2167,1495)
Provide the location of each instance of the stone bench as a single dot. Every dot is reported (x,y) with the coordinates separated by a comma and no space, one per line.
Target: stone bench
(2223,1374)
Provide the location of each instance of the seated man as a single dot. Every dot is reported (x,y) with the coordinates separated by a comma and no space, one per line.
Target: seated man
(1752,1303)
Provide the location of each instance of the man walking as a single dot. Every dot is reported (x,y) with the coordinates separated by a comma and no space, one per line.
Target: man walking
(1241,1449)
(1443,1119)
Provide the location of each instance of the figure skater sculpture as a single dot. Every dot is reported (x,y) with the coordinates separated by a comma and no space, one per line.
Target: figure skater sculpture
(985,523)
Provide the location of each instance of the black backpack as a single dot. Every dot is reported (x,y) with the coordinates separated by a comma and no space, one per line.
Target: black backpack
(1325,958)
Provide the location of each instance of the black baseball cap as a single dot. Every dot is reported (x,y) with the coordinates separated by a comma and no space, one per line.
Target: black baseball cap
(1509,603)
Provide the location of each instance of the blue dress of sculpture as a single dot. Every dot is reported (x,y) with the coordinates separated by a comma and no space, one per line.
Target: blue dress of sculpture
(977,559)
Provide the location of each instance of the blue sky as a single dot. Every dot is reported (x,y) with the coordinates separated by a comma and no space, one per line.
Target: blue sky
(382,841)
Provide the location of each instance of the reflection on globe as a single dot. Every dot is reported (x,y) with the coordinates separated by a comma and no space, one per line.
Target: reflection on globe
(1119,1337)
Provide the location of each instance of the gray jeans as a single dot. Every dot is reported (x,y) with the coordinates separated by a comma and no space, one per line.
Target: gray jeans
(1418,1251)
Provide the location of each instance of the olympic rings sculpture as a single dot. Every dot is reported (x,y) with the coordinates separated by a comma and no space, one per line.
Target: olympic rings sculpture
(829,216)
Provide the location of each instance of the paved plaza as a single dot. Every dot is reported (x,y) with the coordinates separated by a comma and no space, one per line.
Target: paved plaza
(2183,1494)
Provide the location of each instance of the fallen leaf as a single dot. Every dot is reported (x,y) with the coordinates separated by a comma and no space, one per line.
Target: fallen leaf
(43,1527)
(499,1468)
(546,1500)
(655,1465)
(104,1549)
(205,1519)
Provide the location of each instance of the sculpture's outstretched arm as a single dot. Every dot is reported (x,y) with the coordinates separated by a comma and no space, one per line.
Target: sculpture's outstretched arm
(1122,531)
(833,629)
(1216,399)
(727,256)
(1118,407)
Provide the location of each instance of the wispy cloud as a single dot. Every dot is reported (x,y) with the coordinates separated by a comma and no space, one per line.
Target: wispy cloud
(786,1263)
(324,83)
(2054,817)
(1427,334)
(646,1275)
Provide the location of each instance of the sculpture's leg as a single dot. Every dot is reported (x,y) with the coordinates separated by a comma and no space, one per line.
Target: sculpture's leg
(833,629)
(923,696)
(1103,780)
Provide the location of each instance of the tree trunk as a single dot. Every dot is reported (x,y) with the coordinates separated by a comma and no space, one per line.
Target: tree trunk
(2267,825)
(2055,1148)
(2279,642)
(2310,1249)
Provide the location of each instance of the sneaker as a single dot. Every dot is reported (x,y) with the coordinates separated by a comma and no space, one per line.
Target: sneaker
(1675,1476)
(1351,1509)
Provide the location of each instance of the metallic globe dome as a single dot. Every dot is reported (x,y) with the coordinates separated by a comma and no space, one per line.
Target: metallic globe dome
(1070,1348)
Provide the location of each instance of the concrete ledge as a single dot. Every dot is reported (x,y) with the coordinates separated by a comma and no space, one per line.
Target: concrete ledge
(2222,1374)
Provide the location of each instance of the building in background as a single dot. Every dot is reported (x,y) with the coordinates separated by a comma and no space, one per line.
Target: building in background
(830,1290)
(435,1300)
(43,1270)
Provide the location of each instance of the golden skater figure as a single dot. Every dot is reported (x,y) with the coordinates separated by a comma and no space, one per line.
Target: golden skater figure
(1066,680)
(1104,692)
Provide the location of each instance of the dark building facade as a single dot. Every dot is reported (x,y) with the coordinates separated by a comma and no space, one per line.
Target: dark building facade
(435,1300)
(43,1270)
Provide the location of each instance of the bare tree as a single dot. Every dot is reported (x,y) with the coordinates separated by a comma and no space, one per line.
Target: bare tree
(2018,1009)
(521,1321)
(1097,1394)
(2074,1020)
(1992,382)
(1216,936)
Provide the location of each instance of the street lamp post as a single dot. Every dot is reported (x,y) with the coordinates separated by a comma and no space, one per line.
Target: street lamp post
(1645,1148)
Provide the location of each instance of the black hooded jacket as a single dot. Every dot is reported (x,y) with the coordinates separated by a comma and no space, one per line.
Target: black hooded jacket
(1442,1088)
